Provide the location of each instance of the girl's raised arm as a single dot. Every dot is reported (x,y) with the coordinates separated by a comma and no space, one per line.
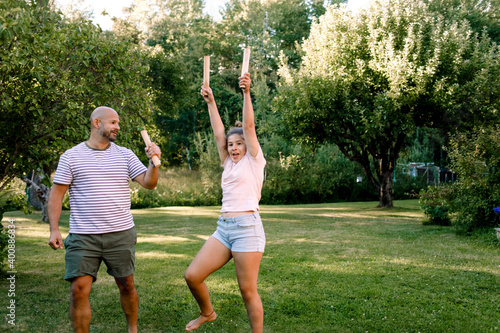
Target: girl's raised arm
(249,133)
(216,122)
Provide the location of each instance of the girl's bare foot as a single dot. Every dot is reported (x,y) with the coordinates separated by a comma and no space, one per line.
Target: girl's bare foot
(194,324)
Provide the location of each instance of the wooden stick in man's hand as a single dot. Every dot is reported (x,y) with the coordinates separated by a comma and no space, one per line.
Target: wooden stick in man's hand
(155,158)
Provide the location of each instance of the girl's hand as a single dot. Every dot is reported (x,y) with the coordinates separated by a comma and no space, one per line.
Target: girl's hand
(207,94)
(246,81)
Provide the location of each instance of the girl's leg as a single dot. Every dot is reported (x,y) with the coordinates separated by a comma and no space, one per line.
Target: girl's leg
(247,270)
(212,256)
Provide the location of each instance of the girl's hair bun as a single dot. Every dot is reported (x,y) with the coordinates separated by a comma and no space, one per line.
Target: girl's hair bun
(236,129)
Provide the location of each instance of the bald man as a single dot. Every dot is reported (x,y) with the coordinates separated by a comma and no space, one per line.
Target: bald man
(101,227)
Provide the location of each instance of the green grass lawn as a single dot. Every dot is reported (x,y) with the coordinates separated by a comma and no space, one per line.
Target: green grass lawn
(342,267)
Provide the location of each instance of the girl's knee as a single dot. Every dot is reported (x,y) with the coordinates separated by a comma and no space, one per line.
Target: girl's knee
(190,276)
(249,293)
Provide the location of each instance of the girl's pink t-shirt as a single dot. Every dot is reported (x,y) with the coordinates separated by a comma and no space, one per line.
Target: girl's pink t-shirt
(242,183)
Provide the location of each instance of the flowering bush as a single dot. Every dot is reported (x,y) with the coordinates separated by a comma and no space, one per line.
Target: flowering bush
(497,210)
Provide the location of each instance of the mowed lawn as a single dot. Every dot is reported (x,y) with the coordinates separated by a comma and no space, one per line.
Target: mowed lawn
(341,267)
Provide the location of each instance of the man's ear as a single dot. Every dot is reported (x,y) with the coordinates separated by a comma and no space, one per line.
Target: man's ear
(95,123)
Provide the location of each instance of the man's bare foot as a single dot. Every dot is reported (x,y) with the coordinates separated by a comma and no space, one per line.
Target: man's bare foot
(194,324)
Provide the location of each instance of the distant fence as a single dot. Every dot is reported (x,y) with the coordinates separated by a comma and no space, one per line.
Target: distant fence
(433,174)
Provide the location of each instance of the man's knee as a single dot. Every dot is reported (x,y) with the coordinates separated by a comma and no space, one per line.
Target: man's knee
(126,284)
(81,286)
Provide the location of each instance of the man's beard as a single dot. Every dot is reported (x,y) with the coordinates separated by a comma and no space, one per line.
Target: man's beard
(107,134)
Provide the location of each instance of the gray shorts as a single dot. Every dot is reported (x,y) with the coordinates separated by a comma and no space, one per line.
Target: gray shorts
(243,233)
(84,254)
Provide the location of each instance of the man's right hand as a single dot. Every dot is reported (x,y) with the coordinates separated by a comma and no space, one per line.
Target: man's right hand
(55,240)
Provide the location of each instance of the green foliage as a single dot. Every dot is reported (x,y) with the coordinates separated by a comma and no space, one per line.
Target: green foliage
(268,27)
(435,202)
(369,79)
(11,198)
(210,167)
(53,74)
(4,241)
(482,14)
(181,35)
(177,186)
(295,174)
(407,186)
(475,157)
(424,146)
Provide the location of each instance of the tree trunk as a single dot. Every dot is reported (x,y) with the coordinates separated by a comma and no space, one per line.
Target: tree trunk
(42,192)
(385,193)
(384,166)
(33,198)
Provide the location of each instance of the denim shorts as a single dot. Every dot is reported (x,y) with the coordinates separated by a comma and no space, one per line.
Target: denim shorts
(243,233)
(84,254)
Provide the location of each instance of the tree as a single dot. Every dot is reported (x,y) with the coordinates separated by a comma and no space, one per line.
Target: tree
(268,27)
(53,73)
(481,14)
(369,79)
(177,34)
(182,34)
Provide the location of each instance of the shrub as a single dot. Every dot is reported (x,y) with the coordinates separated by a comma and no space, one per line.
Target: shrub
(298,175)
(472,203)
(434,201)
(177,186)
(475,157)
(4,238)
(210,168)
(407,186)
(12,197)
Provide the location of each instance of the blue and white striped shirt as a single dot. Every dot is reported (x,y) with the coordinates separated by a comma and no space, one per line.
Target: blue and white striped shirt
(99,191)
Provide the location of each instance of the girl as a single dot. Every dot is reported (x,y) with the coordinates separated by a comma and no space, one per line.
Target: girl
(239,233)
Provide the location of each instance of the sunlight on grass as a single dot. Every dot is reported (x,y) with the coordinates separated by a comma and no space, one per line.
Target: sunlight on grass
(179,211)
(202,237)
(159,255)
(342,215)
(42,233)
(160,239)
(20,218)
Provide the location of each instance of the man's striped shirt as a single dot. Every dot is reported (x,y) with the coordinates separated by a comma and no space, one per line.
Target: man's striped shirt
(99,191)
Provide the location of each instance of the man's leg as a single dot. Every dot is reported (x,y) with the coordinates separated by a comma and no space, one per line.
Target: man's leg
(129,301)
(79,306)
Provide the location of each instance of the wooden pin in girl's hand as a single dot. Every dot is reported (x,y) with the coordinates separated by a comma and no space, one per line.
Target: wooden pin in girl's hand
(244,66)
(206,73)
